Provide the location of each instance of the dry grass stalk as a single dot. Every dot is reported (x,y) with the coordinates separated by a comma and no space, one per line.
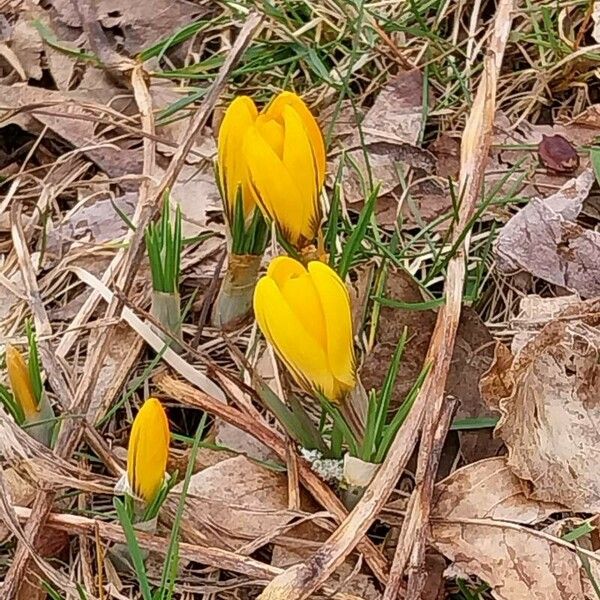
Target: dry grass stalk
(474,151)
(214,557)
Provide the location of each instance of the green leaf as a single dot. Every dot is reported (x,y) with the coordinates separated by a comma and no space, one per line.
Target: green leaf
(171,566)
(284,415)
(595,158)
(358,234)
(134,548)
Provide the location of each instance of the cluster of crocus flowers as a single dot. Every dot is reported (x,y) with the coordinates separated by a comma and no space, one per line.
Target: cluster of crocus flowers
(274,160)
(304,313)
(32,410)
(148,451)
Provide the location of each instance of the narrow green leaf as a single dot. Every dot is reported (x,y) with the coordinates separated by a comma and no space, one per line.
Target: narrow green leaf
(134,548)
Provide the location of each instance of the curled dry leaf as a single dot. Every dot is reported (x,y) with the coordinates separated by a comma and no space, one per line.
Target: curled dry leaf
(478,519)
(558,154)
(547,396)
(543,240)
(515,561)
(142,23)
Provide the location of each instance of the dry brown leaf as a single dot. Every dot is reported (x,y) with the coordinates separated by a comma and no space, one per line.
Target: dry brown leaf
(198,196)
(478,519)
(232,503)
(516,562)
(142,23)
(488,489)
(547,396)
(390,132)
(543,240)
(27,45)
(472,357)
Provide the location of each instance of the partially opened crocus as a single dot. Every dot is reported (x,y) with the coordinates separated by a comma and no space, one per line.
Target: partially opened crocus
(21,384)
(304,313)
(148,450)
(239,117)
(285,157)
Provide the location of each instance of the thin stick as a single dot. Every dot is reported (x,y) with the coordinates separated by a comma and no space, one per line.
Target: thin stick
(474,151)
(426,471)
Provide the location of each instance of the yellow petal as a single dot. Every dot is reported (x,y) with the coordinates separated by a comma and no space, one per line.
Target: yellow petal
(335,303)
(272,132)
(148,450)
(301,353)
(298,290)
(20,382)
(298,159)
(275,111)
(281,268)
(239,117)
(275,190)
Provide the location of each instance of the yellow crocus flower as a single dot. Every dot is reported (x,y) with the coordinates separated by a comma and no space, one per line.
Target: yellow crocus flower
(285,157)
(239,117)
(20,383)
(148,450)
(304,313)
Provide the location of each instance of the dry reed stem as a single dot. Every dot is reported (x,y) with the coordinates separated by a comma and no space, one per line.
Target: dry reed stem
(125,263)
(300,580)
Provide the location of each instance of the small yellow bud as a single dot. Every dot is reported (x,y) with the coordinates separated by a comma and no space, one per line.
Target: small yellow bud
(148,450)
(20,382)
(304,313)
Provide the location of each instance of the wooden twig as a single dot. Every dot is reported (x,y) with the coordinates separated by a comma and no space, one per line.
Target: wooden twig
(125,263)
(474,151)
(299,581)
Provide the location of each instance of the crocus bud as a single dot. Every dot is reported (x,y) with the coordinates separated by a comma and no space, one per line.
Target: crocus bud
(20,383)
(148,450)
(239,117)
(285,157)
(304,313)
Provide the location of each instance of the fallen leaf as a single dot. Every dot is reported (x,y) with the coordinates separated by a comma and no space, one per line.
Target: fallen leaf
(472,357)
(26,43)
(478,521)
(515,561)
(142,23)
(550,411)
(197,194)
(389,135)
(488,489)
(232,503)
(543,240)
(558,154)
